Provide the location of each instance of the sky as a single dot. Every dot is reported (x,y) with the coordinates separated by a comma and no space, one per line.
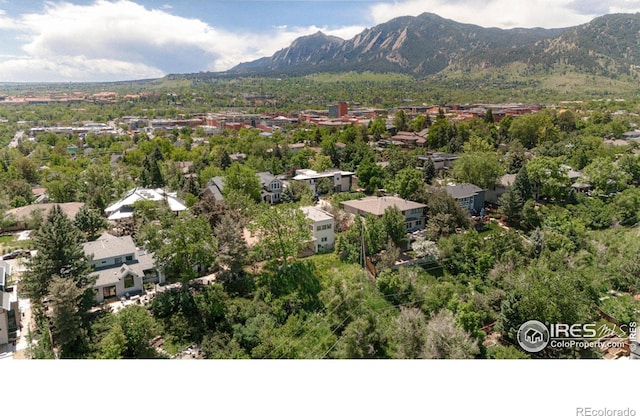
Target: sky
(114,40)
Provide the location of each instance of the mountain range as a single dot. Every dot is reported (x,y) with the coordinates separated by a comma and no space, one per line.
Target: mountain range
(428,44)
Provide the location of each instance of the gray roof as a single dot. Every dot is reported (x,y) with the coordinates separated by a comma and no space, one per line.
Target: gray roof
(109,246)
(215,186)
(463,190)
(266,178)
(111,275)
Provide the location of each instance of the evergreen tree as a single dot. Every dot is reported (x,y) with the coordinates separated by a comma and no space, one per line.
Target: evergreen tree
(488,117)
(67,334)
(511,204)
(522,185)
(151,174)
(429,171)
(401,121)
(59,252)
(89,221)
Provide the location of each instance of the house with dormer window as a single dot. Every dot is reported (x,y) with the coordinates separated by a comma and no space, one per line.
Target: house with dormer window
(121,268)
(272,187)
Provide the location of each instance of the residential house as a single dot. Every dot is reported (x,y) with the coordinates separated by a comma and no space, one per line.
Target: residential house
(414,212)
(9,307)
(124,207)
(272,187)
(441,161)
(22,217)
(469,196)
(120,266)
(341,180)
(492,196)
(322,226)
(271,192)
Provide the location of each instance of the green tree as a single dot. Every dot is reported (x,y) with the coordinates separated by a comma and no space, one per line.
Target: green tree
(429,171)
(89,221)
(401,120)
(151,174)
(377,128)
(534,129)
(138,328)
(241,179)
(370,175)
(408,183)
(548,177)
(187,246)
(232,248)
(59,253)
(321,163)
(606,177)
(282,232)
(394,226)
(482,169)
(627,206)
(511,206)
(67,333)
(522,185)
(113,345)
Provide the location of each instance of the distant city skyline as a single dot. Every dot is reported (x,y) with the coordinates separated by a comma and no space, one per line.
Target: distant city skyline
(112,40)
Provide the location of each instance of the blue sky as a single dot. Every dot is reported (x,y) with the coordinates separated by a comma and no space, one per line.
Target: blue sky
(109,40)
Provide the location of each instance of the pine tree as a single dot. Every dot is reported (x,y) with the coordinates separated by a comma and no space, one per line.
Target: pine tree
(522,185)
(59,253)
(429,171)
(67,334)
(89,221)
(511,206)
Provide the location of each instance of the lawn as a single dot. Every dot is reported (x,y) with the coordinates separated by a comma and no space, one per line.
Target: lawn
(8,243)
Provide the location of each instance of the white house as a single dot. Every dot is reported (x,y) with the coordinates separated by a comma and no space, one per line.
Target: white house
(9,307)
(124,207)
(271,192)
(120,266)
(322,228)
(271,187)
(340,179)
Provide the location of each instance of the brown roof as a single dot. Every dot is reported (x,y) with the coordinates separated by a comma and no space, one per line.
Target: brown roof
(377,205)
(69,208)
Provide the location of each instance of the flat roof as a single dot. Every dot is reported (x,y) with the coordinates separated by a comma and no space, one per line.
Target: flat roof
(316,214)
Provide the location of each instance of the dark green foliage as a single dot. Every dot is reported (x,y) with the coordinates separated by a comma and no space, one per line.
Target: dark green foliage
(89,221)
(60,253)
(151,174)
(429,171)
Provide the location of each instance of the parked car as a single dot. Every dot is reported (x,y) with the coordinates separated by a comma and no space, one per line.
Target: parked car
(15,254)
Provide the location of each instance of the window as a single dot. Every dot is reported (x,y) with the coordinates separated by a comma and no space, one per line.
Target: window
(324,239)
(419,222)
(129,258)
(109,291)
(117,260)
(128,282)
(319,227)
(103,262)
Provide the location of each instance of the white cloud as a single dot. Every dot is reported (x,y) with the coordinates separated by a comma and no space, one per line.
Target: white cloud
(7,22)
(120,39)
(493,13)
